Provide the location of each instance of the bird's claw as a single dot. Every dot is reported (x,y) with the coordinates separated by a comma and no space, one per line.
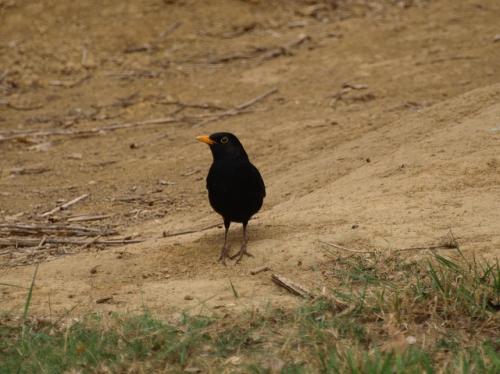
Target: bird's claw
(241,252)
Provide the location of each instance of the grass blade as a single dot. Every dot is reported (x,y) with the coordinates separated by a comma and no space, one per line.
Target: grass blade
(28,303)
(235,293)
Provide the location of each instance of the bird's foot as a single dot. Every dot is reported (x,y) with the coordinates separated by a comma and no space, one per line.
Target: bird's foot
(241,252)
(224,254)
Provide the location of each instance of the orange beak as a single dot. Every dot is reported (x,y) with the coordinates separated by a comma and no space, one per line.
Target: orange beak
(205,139)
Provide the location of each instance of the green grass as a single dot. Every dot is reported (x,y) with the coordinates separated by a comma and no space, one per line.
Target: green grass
(447,305)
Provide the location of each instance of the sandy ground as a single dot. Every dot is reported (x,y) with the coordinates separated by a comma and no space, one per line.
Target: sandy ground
(384,133)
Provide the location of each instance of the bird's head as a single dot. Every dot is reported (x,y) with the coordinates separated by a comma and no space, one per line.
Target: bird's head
(224,146)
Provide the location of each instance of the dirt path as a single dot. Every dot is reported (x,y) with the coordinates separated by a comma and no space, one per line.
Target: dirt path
(384,132)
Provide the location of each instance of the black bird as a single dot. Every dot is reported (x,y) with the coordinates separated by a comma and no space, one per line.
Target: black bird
(235,187)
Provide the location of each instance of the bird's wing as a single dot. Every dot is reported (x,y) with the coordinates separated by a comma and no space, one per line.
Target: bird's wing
(249,177)
(242,176)
(259,180)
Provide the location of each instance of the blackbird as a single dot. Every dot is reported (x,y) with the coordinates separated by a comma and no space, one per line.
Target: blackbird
(235,187)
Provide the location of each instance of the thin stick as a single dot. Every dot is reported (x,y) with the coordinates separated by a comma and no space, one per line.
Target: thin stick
(239,108)
(334,245)
(169,30)
(256,99)
(68,230)
(65,206)
(25,108)
(430,247)
(13,285)
(260,270)
(451,245)
(262,53)
(90,242)
(103,300)
(191,231)
(40,245)
(292,287)
(88,218)
(25,242)
(69,84)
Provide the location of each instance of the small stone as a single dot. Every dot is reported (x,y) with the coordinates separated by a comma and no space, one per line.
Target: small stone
(192,370)
(234,360)
(75,156)
(411,340)
(188,297)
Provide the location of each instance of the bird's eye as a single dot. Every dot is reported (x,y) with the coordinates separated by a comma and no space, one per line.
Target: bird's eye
(224,140)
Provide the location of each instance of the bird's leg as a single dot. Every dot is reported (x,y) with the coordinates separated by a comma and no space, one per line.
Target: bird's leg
(243,249)
(225,249)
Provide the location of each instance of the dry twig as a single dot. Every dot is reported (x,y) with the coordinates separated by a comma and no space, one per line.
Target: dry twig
(191,231)
(196,120)
(60,230)
(65,205)
(91,241)
(169,30)
(260,270)
(290,286)
(262,53)
(86,218)
(19,107)
(103,300)
(450,243)
(239,109)
(29,242)
(69,84)
(338,246)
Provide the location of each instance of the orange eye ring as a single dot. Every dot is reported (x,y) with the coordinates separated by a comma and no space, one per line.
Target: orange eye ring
(224,140)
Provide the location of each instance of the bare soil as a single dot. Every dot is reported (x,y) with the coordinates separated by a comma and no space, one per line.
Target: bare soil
(384,132)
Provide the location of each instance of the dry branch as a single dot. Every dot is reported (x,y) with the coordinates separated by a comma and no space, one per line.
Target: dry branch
(256,99)
(86,218)
(103,300)
(21,108)
(290,286)
(239,109)
(450,243)
(90,242)
(29,170)
(59,230)
(338,246)
(169,30)
(28,242)
(261,53)
(65,205)
(196,120)
(181,105)
(191,231)
(136,73)
(69,84)
(259,270)
(430,247)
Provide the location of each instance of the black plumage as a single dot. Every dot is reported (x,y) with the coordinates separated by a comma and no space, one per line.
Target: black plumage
(235,187)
